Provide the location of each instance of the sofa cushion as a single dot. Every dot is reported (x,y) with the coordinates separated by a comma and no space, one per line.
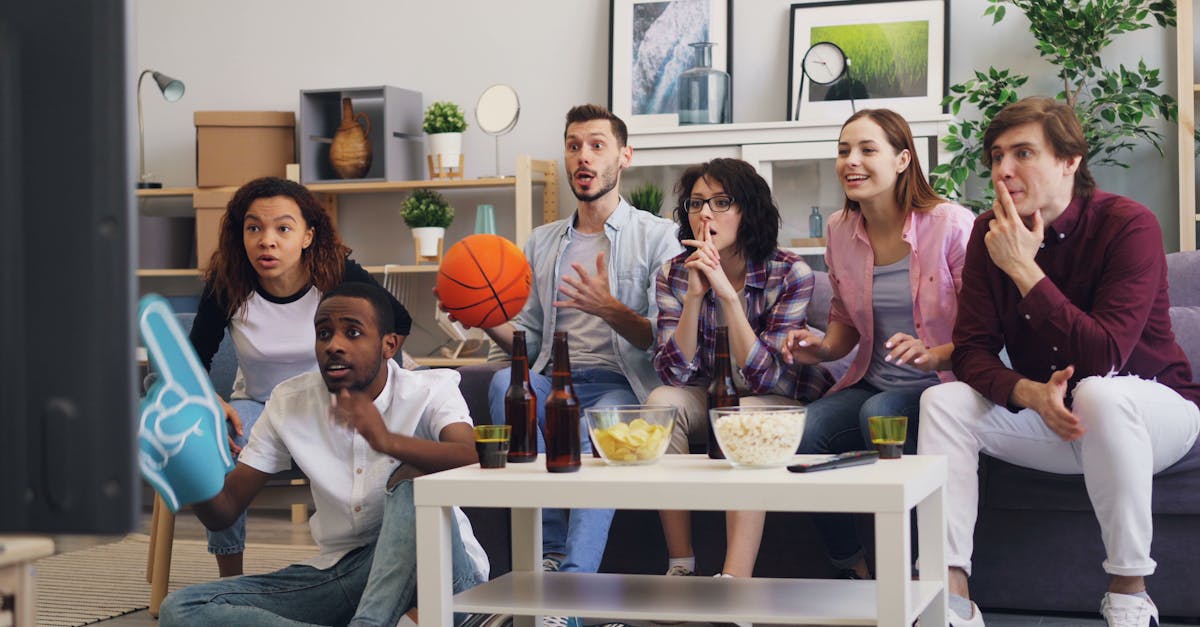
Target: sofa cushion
(1006,486)
(1185,322)
(1183,278)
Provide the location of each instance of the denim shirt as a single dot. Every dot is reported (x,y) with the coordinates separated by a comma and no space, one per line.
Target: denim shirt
(938,239)
(641,244)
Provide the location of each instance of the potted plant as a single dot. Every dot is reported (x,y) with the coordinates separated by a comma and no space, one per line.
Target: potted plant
(1115,105)
(444,125)
(647,197)
(428,214)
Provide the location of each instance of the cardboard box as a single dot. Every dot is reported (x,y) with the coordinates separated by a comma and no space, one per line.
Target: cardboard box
(233,147)
(210,207)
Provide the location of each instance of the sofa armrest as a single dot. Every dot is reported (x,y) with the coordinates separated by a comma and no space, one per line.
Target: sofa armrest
(473,384)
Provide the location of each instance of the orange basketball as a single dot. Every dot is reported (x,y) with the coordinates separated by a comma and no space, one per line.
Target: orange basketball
(484,280)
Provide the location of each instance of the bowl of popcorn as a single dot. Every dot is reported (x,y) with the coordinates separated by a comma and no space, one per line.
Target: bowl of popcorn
(758,437)
(629,435)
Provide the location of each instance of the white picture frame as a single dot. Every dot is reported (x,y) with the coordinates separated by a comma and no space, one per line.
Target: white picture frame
(649,48)
(903,75)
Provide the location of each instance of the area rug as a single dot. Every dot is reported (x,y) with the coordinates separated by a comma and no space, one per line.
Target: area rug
(83,587)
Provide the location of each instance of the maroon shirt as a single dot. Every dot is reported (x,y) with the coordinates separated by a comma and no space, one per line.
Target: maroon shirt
(1101,307)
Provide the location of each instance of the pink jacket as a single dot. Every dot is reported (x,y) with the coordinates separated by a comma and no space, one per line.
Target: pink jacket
(938,238)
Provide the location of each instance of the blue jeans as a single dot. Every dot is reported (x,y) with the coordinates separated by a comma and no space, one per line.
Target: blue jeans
(232,541)
(582,536)
(372,585)
(838,423)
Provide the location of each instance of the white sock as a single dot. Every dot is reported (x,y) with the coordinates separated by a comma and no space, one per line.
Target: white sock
(960,605)
(687,562)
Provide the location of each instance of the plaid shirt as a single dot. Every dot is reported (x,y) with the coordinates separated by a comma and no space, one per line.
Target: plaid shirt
(777,294)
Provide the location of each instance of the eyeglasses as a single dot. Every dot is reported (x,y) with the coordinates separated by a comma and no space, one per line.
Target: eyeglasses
(718,204)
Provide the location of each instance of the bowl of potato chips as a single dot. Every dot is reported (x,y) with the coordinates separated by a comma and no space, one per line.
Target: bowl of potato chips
(631,434)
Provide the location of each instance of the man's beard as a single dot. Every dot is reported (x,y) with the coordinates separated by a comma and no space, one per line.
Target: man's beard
(608,184)
(357,384)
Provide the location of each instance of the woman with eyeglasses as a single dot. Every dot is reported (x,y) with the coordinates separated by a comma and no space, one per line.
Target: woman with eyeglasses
(733,275)
(895,255)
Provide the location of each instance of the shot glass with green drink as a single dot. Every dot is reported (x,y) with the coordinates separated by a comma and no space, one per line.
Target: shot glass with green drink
(888,434)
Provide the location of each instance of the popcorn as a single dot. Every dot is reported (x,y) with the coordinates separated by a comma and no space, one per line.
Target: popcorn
(760,438)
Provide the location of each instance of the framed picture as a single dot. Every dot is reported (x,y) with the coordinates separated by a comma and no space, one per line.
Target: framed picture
(649,47)
(897,52)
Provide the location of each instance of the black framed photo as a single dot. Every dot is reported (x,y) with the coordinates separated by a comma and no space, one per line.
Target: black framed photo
(897,50)
(650,46)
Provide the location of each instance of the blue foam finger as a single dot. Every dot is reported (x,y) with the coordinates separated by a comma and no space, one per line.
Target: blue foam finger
(182,450)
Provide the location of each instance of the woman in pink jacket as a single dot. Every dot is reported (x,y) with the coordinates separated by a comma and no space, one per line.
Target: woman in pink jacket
(895,255)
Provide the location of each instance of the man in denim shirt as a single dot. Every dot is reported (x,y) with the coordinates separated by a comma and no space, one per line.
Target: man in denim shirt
(593,276)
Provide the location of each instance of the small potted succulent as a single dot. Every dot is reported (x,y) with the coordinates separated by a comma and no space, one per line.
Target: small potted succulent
(647,197)
(444,125)
(428,214)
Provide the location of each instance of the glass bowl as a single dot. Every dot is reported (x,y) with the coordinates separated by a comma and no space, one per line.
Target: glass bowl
(758,437)
(630,435)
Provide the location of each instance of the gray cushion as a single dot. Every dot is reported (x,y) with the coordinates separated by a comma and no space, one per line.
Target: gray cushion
(1183,275)
(1185,322)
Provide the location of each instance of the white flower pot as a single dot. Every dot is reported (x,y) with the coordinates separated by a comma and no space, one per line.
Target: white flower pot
(448,145)
(427,240)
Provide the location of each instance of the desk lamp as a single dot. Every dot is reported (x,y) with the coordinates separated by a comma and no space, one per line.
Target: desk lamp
(172,90)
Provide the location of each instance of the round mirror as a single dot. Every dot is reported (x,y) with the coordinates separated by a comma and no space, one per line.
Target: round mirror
(497,109)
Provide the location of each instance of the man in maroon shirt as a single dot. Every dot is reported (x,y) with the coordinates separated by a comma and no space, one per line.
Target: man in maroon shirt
(1073,282)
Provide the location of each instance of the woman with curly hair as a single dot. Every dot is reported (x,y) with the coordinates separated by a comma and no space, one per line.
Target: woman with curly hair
(732,274)
(277,253)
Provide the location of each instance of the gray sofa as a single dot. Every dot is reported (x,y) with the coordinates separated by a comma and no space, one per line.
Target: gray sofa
(1037,541)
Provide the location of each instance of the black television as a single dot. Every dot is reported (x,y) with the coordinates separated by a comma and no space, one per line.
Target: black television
(67,314)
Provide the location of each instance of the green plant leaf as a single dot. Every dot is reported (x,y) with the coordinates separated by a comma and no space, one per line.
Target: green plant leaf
(425,208)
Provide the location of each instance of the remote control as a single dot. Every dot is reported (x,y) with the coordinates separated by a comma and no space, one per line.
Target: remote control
(852,458)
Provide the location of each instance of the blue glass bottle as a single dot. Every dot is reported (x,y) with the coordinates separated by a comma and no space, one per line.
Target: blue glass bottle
(816,223)
(704,91)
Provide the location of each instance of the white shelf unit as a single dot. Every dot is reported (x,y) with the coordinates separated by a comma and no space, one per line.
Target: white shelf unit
(765,145)
(1187,88)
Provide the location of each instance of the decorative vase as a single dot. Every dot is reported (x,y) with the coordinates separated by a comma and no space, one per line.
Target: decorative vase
(449,146)
(350,154)
(704,91)
(429,241)
(485,219)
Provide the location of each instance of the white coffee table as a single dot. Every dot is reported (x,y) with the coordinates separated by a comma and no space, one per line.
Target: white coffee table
(888,489)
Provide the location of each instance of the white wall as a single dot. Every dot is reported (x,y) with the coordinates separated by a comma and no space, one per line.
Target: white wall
(235,54)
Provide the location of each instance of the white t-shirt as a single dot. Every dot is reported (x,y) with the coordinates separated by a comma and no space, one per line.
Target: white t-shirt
(274,342)
(347,477)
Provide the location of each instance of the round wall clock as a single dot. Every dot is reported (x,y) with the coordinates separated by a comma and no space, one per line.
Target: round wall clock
(824,63)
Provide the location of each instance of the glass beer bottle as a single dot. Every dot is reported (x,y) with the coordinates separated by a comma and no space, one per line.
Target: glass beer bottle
(562,413)
(520,405)
(721,392)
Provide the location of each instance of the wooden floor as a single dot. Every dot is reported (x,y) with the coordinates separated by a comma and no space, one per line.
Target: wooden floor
(276,527)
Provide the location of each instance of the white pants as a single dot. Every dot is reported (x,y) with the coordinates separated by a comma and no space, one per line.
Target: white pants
(691,422)
(1134,428)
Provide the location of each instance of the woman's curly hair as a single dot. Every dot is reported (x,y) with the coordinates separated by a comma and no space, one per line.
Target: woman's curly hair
(230,274)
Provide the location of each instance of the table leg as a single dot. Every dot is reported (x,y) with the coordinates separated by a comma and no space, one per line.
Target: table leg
(931,553)
(527,550)
(434,594)
(893,569)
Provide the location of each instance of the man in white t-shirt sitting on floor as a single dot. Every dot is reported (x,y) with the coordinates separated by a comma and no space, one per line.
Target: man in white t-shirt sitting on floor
(361,428)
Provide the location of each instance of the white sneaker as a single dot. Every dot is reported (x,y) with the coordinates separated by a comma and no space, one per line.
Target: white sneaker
(975,620)
(1127,610)
(551,564)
